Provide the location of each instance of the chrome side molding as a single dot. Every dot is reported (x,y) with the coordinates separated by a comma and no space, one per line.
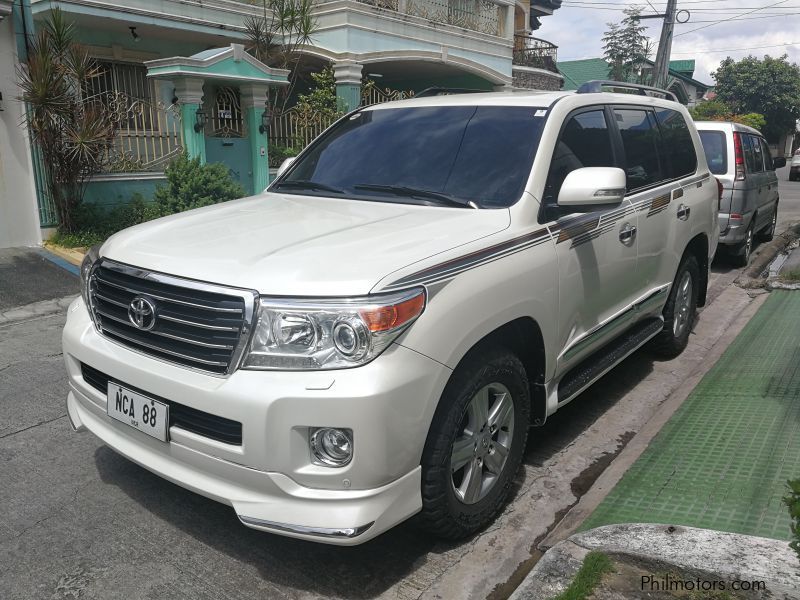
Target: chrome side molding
(324,532)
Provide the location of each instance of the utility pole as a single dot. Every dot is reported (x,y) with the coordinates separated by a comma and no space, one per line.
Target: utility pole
(661,68)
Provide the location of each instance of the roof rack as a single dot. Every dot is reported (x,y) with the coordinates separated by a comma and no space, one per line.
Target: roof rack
(445,91)
(593,87)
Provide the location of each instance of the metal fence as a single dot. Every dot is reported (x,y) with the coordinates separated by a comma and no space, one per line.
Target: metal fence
(534,52)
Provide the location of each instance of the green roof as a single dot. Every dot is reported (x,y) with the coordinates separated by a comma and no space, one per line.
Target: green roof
(684,67)
(577,72)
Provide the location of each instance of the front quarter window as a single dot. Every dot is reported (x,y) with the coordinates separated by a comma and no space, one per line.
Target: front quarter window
(468,154)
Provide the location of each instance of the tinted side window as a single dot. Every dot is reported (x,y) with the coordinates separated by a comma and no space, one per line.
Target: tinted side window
(640,138)
(758,154)
(750,155)
(678,146)
(585,142)
(767,155)
(716,150)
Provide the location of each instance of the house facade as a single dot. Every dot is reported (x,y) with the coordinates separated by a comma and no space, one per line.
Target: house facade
(176,74)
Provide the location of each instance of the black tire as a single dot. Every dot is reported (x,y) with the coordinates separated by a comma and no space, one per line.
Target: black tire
(742,256)
(444,514)
(670,343)
(767,234)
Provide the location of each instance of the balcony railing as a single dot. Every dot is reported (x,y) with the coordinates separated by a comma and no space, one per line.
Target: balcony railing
(533,52)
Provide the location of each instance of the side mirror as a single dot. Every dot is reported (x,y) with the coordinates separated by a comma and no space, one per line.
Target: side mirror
(589,188)
(285,165)
(778,162)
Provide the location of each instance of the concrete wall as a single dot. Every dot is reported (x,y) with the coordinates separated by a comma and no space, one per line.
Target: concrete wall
(530,78)
(19,216)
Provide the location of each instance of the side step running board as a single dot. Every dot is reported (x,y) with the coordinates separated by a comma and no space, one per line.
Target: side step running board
(598,364)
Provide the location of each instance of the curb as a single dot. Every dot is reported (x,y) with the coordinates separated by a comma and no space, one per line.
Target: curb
(35,310)
(705,554)
(751,277)
(73,256)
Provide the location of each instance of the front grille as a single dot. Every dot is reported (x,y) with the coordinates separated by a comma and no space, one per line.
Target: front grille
(191,419)
(196,325)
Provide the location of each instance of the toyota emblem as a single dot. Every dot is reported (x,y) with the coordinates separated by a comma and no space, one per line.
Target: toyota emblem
(142,313)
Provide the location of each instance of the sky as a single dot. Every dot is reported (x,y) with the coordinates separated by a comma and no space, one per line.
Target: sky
(750,27)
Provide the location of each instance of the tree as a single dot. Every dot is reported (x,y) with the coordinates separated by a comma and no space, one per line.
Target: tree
(73,132)
(275,38)
(626,48)
(770,87)
(716,110)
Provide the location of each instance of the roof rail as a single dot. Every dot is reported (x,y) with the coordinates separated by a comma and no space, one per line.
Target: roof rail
(445,91)
(593,87)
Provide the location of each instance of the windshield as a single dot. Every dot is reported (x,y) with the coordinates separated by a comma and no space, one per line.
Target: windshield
(442,155)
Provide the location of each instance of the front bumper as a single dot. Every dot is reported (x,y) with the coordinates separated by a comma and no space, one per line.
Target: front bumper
(269,479)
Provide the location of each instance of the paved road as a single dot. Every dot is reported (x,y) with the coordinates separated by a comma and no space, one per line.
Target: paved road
(82,522)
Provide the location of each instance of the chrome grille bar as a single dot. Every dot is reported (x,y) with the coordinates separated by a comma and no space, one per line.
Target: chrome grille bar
(196,325)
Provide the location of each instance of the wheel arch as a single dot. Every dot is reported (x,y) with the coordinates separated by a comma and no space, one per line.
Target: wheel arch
(524,338)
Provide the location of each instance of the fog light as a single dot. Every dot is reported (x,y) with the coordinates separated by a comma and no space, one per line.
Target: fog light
(331,447)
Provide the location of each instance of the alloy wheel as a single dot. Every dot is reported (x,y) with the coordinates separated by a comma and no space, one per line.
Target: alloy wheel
(480,451)
(683,305)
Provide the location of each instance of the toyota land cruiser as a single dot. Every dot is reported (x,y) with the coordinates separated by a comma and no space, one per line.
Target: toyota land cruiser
(374,335)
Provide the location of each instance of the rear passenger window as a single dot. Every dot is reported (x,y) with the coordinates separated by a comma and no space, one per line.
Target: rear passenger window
(753,165)
(758,154)
(640,137)
(585,142)
(678,148)
(767,155)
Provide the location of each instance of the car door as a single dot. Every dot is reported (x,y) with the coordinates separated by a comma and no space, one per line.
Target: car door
(596,250)
(755,184)
(771,184)
(662,145)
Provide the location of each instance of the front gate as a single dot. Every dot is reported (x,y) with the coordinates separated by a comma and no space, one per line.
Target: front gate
(226,136)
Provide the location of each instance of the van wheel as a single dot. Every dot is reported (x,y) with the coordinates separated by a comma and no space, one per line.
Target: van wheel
(679,311)
(769,232)
(743,257)
(475,444)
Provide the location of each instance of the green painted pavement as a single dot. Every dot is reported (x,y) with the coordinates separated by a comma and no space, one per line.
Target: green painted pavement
(723,459)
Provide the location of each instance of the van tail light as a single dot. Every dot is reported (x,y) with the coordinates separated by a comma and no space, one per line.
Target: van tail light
(739,154)
(719,193)
(735,217)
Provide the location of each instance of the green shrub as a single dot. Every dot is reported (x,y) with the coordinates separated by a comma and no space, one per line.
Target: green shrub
(189,185)
(192,185)
(278,153)
(793,502)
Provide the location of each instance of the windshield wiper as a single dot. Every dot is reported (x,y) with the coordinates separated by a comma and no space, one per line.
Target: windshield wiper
(402,190)
(307,184)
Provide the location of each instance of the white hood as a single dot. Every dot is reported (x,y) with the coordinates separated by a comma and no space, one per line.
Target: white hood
(291,245)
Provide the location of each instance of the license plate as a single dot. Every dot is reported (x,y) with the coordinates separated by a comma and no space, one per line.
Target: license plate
(140,412)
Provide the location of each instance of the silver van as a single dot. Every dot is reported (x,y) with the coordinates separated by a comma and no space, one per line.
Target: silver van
(740,159)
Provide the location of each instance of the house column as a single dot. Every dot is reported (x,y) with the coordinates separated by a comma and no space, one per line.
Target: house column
(347,74)
(254,99)
(189,92)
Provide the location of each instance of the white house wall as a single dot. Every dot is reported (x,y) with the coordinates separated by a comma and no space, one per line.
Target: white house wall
(19,217)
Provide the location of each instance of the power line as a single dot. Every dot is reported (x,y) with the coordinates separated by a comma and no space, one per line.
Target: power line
(732,18)
(715,50)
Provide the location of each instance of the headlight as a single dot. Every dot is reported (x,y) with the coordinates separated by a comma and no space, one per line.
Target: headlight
(329,334)
(92,256)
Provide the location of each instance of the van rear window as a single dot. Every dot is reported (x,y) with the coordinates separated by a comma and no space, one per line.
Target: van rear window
(716,150)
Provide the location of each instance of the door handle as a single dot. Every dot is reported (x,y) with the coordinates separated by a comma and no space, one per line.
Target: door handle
(683,212)
(627,234)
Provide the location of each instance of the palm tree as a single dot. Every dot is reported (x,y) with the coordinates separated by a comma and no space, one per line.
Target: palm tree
(73,132)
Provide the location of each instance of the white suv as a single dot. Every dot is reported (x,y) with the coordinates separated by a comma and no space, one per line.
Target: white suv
(373,336)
